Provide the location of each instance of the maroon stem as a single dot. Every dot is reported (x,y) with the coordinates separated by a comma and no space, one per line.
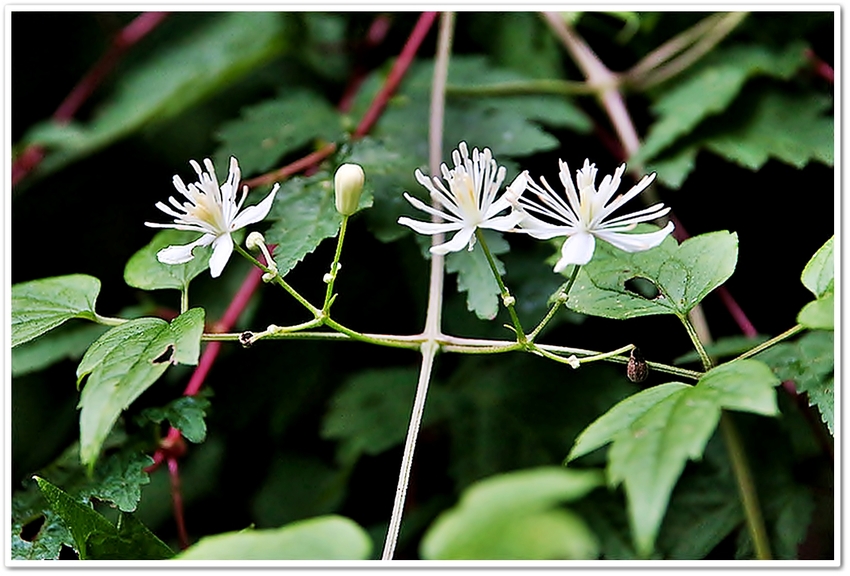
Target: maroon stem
(402,63)
(177,498)
(821,68)
(143,24)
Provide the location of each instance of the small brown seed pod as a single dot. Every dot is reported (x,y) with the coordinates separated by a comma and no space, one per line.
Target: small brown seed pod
(636,369)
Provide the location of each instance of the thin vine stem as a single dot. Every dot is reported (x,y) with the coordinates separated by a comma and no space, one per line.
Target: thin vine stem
(335,266)
(772,342)
(740,466)
(435,291)
(278,279)
(507,299)
(560,299)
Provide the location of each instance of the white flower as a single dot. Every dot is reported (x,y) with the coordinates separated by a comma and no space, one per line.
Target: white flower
(583,217)
(470,202)
(212,210)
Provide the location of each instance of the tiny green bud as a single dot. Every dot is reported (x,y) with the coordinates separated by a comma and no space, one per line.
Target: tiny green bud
(254,241)
(348,185)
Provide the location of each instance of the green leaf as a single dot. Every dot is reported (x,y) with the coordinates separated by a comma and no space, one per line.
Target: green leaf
(778,124)
(475,277)
(120,478)
(369,413)
(123,363)
(711,88)
(656,431)
(673,169)
(267,132)
(96,538)
(683,275)
(819,277)
(819,274)
(304,214)
(818,314)
(64,343)
(322,538)
(81,520)
(41,305)
(809,362)
(144,271)
(132,541)
(516,516)
(206,59)
(185,413)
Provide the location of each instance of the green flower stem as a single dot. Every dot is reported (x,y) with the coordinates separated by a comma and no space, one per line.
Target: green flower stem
(746,486)
(560,299)
(506,295)
(523,87)
(107,321)
(393,343)
(335,266)
(776,340)
(279,281)
(740,466)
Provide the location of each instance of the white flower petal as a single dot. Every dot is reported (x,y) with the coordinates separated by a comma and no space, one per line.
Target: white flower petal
(635,242)
(578,249)
(253,214)
(463,239)
(182,254)
(222,248)
(430,227)
(417,203)
(503,223)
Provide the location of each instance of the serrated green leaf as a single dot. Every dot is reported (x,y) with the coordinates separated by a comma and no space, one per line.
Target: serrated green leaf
(131,541)
(185,413)
(710,89)
(475,277)
(673,169)
(809,362)
(268,131)
(204,61)
(47,543)
(120,478)
(82,521)
(516,516)
(778,124)
(41,305)
(322,538)
(652,441)
(819,274)
(304,214)
(145,271)
(683,275)
(95,538)
(123,363)
(369,413)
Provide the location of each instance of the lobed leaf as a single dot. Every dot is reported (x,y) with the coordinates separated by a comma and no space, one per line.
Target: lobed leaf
(39,306)
(323,538)
(268,131)
(185,413)
(123,363)
(711,88)
(656,431)
(96,538)
(682,274)
(475,277)
(516,516)
(303,215)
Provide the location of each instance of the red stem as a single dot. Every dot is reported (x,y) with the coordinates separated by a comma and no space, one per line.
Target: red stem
(402,63)
(177,498)
(140,27)
(821,68)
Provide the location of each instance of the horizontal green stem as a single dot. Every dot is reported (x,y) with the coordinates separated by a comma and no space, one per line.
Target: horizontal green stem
(773,341)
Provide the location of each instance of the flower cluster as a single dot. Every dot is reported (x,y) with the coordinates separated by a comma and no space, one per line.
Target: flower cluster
(582,215)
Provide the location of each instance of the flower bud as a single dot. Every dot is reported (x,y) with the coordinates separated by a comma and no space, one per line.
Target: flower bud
(254,241)
(348,185)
